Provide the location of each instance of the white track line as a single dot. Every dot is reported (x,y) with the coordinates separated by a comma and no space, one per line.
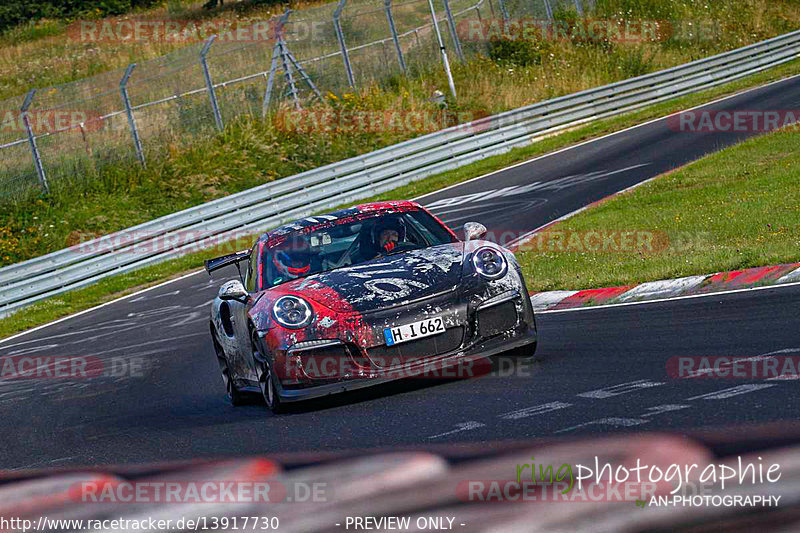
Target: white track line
(79,313)
(522,239)
(791,276)
(37,328)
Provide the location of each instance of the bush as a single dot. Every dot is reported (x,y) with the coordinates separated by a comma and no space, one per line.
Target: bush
(517,52)
(632,62)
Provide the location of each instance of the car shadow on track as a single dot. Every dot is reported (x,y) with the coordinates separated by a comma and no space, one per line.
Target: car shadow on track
(497,365)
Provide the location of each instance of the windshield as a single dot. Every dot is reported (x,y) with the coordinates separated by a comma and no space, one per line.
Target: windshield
(349,242)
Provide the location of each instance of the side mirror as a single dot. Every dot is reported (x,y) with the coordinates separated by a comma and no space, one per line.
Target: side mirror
(233,290)
(474,230)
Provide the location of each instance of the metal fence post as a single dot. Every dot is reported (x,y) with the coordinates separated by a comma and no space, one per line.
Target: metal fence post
(276,51)
(123,89)
(37,160)
(548,9)
(270,80)
(579,7)
(504,10)
(340,37)
(442,49)
(288,73)
(452,23)
(209,85)
(387,5)
(299,68)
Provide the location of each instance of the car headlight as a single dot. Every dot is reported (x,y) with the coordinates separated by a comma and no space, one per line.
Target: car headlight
(490,263)
(292,312)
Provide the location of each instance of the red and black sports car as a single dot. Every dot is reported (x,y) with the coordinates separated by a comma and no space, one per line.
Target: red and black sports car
(362,296)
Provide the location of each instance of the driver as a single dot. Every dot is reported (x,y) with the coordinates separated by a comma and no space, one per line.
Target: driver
(293,260)
(387,233)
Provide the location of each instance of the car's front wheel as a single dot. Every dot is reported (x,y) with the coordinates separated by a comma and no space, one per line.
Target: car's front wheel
(266,378)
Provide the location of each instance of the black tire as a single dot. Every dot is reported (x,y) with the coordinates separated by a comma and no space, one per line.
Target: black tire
(234,395)
(266,379)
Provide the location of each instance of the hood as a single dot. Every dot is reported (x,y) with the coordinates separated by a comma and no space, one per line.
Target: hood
(385,281)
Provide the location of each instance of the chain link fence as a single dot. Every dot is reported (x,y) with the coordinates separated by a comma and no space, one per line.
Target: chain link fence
(53,137)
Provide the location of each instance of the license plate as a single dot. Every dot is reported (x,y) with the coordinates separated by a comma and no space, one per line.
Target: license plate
(416,330)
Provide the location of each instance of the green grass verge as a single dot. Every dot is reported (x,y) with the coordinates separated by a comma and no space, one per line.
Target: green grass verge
(544,272)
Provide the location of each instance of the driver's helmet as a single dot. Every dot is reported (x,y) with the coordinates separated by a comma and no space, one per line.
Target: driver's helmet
(293,259)
(383,234)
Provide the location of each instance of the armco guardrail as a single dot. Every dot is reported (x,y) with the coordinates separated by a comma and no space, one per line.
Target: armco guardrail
(316,190)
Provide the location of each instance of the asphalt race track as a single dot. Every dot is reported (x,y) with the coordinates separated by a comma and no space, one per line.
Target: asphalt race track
(596,370)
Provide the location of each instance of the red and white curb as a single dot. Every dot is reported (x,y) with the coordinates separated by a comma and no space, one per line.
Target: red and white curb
(669,288)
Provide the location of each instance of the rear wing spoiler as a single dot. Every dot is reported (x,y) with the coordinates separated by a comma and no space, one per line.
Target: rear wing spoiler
(230,259)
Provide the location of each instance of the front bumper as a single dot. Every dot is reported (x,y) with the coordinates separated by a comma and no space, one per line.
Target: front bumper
(484,334)
(423,370)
